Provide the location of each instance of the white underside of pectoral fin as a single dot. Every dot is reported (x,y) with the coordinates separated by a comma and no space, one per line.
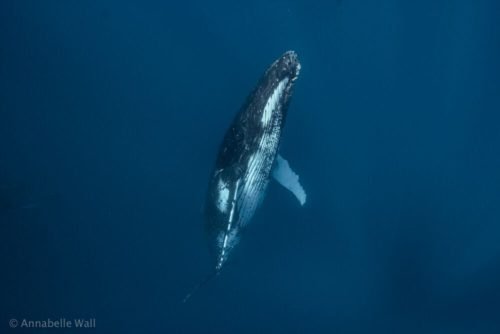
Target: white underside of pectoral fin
(288,178)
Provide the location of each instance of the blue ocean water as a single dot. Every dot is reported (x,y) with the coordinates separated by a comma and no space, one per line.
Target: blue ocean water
(111,113)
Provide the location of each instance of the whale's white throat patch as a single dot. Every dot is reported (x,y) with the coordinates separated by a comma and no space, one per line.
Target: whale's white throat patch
(229,238)
(222,196)
(273,101)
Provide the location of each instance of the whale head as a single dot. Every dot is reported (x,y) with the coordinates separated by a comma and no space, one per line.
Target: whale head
(287,66)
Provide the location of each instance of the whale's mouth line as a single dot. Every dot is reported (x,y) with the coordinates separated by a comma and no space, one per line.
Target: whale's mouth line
(297,72)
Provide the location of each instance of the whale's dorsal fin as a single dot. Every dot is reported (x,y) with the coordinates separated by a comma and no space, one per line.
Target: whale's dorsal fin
(288,178)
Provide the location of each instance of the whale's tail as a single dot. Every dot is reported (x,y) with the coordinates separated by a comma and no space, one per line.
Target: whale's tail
(203,282)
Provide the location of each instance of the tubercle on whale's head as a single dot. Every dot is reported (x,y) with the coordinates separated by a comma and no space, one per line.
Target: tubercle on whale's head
(288,66)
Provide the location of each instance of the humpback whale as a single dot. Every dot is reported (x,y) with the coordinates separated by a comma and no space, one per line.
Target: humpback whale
(248,158)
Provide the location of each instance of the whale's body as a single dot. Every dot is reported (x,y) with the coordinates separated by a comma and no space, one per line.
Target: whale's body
(247,157)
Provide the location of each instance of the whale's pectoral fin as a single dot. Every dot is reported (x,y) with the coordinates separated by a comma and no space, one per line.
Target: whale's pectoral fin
(288,178)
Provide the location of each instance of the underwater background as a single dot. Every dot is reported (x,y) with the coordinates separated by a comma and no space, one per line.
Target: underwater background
(111,113)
